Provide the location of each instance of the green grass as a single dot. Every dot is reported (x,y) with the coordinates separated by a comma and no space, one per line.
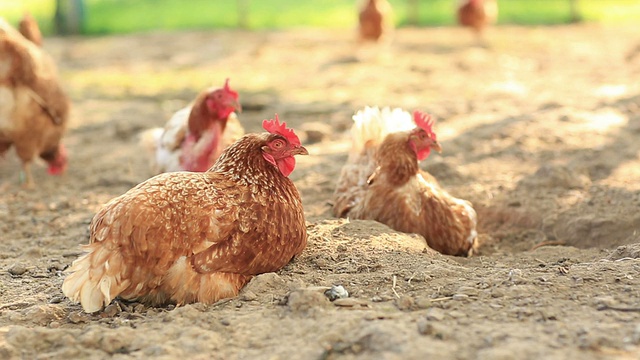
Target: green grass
(124,16)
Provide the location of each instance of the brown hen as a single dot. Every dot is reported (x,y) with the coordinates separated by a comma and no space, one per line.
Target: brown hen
(382,181)
(374,20)
(477,14)
(187,237)
(35,108)
(28,27)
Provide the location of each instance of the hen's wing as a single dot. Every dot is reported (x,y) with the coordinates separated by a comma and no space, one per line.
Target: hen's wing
(161,240)
(169,151)
(423,207)
(353,182)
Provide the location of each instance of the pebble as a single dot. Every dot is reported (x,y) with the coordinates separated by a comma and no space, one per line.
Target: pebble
(405,302)
(111,310)
(336,292)
(350,302)
(423,303)
(17,269)
(435,314)
(78,317)
(460,297)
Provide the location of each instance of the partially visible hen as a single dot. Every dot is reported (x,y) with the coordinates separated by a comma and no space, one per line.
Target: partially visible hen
(35,108)
(196,135)
(477,14)
(28,27)
(374,20)
(382,181)
(187,237)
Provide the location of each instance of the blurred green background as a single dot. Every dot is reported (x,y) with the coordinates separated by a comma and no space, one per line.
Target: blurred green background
(126,16)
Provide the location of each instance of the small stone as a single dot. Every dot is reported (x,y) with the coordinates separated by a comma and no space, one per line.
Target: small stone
(111,310)
(351,302)
(78,317)
(425,327)
(17,269)
(225,322)
(423,303)
(336,292)
(376,298)
(405,303)
(435,314)
(460,297)
(54,325)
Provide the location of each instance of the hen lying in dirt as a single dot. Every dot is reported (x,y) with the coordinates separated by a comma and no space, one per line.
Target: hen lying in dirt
(34,108)
(195,136)
(187,237)
(382,181)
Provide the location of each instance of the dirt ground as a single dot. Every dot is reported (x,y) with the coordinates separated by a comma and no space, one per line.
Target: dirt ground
(540,131)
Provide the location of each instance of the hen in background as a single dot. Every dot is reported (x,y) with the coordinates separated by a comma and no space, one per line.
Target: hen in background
(374,20)
(195,136)
(477,14)
(382,181)
(188,237)
(35,109)
(28,27)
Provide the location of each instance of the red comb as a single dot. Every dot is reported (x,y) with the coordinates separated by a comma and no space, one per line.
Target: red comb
(228,89)
(275,127)
(425,122)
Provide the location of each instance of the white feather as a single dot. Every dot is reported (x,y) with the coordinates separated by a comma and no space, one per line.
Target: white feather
(372,124)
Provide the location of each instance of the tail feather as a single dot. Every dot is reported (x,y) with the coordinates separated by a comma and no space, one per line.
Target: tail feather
(372,124)
(94,282)
(149,139)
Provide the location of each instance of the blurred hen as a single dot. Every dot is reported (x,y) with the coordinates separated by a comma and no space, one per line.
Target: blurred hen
(382,181)
(195,136)
(477,14)
(186,237)
(28,27)
(374,20)
(35,109)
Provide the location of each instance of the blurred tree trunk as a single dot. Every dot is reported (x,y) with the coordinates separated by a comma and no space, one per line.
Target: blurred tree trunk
(243,14)
(412,17)
(69,17)
(575,12)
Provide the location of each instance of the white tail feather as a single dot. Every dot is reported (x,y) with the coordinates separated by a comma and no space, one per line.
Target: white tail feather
(371,125)
(149,139)
(91,284)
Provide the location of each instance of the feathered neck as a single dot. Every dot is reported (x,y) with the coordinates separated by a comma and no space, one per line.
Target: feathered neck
(243,161)
(201,117)
(397,161)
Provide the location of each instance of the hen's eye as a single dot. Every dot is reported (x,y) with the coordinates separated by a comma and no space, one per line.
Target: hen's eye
(278,144)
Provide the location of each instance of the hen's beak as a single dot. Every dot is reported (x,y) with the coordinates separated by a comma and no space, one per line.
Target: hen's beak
(236,105)
(436,146)
(300,150)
